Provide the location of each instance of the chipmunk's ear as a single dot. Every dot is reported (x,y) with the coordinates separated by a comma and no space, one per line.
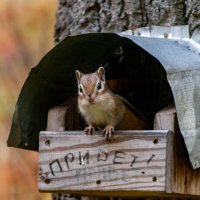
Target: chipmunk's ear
(78,75)
(101,73)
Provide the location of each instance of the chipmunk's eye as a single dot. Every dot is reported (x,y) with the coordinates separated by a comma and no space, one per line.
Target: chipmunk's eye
(99,86)
(80,89)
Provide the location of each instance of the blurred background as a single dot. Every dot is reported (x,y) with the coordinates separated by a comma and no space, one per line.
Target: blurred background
(26,35)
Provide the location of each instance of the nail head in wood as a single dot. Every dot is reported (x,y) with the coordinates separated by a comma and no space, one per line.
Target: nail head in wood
(47,142)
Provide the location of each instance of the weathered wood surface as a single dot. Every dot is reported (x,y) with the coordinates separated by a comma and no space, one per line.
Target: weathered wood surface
(132,162)
(56,118)
(64,117)
(186,180)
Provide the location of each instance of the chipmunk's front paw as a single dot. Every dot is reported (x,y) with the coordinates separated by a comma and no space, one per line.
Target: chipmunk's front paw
(89,130)
(107,132)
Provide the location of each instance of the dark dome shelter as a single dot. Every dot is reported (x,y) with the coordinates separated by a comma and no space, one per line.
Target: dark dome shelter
(53,81)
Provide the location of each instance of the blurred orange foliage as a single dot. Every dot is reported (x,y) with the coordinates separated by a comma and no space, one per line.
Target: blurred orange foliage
(26,34)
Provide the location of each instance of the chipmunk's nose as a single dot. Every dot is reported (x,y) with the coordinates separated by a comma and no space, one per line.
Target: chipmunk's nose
(90,99)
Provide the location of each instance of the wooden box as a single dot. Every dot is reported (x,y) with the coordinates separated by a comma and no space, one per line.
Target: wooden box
(146,163)
(132,163)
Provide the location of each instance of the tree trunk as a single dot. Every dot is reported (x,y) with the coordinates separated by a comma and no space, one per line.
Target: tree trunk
(78,17)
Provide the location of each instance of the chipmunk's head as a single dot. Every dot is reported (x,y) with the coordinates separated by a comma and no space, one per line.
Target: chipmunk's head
(91,86)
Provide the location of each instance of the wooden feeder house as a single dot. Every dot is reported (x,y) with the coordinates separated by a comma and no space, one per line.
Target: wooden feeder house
(154,156)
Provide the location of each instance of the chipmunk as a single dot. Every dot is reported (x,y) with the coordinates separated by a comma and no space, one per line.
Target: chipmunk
(98,105)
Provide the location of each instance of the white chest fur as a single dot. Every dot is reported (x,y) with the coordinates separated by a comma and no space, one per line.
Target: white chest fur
(97,114)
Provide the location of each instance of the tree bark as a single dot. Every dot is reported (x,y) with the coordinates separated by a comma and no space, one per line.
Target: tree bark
(78,17)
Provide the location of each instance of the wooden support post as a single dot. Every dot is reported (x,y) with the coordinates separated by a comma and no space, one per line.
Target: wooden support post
(186,181)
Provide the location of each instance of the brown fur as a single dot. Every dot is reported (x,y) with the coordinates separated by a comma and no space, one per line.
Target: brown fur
(101,107)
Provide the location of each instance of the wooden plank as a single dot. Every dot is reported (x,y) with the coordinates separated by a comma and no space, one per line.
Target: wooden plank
(64,116)
(186,180)
(169,181)
(133,162)
(56,118)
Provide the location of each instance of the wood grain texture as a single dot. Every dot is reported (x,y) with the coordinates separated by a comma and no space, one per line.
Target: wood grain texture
(132,161)
(56,118)
(186,181)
